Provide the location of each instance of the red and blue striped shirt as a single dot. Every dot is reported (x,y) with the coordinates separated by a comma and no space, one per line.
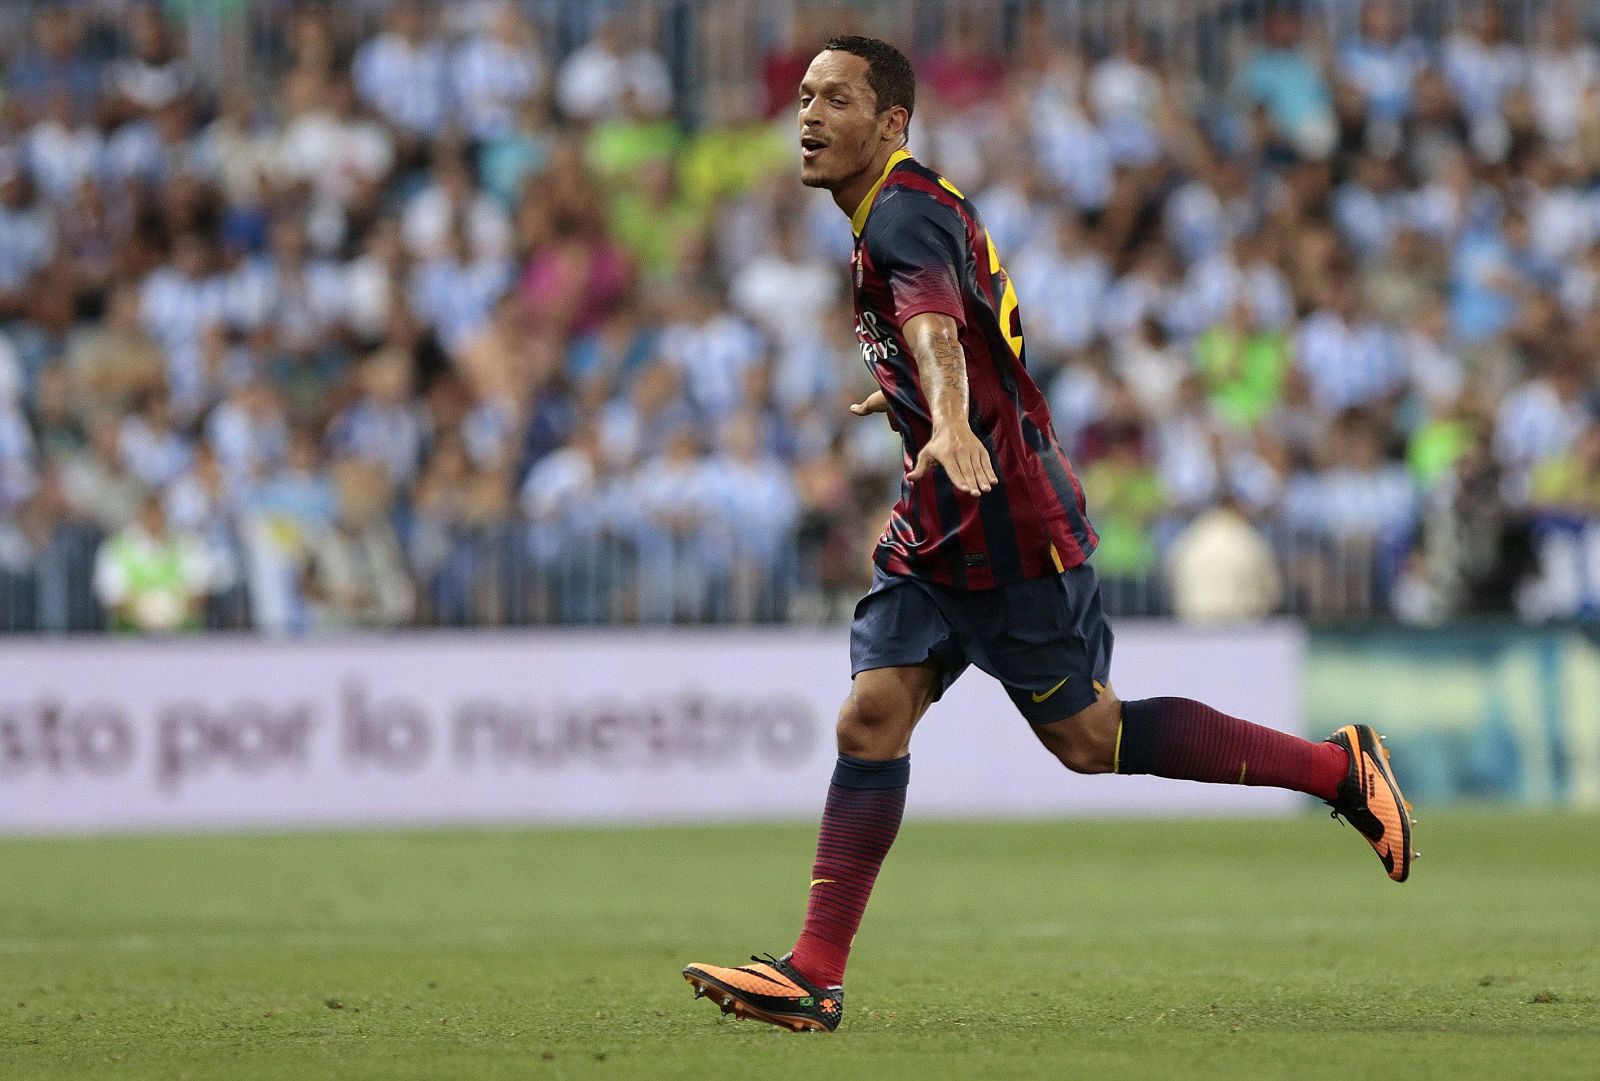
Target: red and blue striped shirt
(921,247)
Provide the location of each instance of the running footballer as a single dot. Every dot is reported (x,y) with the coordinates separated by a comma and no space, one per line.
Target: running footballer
(984,560)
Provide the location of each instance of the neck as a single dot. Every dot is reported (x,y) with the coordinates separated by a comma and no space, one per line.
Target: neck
(848,196)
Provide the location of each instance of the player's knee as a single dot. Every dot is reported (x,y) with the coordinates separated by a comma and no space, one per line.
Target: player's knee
(1087,742)
(872,725)
(1082,754)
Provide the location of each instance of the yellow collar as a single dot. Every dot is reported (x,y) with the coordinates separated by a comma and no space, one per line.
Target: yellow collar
(859,218)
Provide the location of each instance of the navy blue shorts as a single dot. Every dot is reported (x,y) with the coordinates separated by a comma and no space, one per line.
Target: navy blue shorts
(1045,639)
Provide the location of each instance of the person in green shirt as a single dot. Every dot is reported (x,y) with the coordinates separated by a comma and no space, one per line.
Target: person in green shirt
(1242,365)
(654,220)
(619,149)
(1126,496)
(736,149)
(1570,481)
(149,578)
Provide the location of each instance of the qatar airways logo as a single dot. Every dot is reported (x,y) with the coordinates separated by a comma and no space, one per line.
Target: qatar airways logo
(877,343)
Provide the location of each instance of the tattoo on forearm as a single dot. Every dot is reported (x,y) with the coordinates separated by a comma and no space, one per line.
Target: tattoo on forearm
(944,373)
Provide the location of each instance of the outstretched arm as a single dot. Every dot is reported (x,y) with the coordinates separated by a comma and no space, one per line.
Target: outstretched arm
(875,403)
(942,368)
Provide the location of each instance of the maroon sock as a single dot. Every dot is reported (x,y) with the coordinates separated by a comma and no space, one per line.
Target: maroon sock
(859,823)
(1182,738)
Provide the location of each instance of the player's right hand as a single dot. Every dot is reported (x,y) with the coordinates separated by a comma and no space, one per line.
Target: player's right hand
(875,403)
(964,457)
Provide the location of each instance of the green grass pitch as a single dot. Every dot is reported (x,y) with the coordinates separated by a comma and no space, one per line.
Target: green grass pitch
(1155,949)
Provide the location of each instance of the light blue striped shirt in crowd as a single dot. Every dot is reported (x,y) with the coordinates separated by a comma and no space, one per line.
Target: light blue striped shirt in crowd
(1348,365)
(26,244)
(490,80)
(408,84)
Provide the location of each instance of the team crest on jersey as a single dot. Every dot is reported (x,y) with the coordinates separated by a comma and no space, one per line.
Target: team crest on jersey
(855,265)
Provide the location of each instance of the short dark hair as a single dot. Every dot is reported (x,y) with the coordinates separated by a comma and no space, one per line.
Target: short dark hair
(888,71)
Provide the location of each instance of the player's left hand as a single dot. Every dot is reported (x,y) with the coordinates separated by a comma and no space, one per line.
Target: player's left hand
(964,457)
(875,403)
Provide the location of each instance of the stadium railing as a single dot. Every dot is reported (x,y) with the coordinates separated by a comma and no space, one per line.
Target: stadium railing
(498,576)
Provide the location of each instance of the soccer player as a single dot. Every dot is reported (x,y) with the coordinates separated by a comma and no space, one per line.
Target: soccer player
(984,560)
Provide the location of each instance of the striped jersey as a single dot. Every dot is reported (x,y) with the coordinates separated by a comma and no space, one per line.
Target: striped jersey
(921,247)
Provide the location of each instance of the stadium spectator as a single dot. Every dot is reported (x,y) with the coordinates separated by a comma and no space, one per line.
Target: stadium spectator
(1483,69)
(1382,63)
(355,576)
(595,82)
(1222,569)
(150,577)
(54,66)
(383,425)
(509,159)
(758,510)
(1280,76)
(27,237)
(153,74)
(98,487)
(494,72)
(403,74)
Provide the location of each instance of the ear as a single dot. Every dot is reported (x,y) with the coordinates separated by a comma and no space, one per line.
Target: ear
(893,124)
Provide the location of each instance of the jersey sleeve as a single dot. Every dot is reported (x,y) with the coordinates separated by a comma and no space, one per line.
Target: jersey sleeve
(920,247)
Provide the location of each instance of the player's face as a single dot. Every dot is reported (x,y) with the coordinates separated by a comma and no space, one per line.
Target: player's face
(841,129)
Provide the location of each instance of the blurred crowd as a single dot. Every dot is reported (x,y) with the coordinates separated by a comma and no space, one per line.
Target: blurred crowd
(440,326)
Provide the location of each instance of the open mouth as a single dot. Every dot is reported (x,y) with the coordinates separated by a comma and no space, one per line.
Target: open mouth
(810,147)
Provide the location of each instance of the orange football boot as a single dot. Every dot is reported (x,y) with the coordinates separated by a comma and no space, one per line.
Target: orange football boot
(1370,799)
(769,989)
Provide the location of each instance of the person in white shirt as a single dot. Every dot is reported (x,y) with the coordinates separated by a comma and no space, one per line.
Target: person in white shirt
(713,347)
(428,217)
(1382,63)
(494,72)
(759,508)
(455,292)
(27,239)
(594,79)
(785,290)
(151,447)
(1222,569)
(1483,67)
(384,425)
(568,499)
(1563,69)
(18,456)
(374,285)
(1124,86)
(1349,357)
(328,144)
(238,148)
(403,74)
(1542,417)
(155,74)
(61,152)
(1061,281)
(249,432)
(679,532)
(1358,498)
(178,302)
(298,300)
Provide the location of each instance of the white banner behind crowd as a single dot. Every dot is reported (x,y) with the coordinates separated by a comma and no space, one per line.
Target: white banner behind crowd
(603,726)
